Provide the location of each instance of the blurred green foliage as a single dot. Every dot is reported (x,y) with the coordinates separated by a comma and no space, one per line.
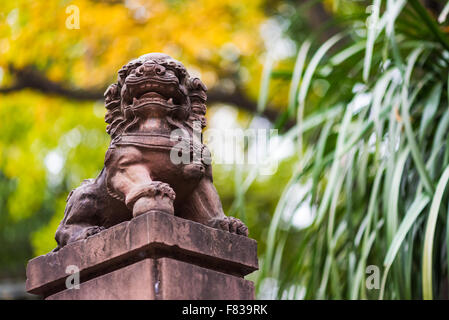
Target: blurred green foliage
(49,144)
(47,147)
(365,106)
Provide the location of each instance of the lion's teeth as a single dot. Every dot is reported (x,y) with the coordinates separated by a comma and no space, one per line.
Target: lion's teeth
(170,100)
(134,100)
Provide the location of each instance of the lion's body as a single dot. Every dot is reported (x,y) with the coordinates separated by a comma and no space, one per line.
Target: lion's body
(145,166)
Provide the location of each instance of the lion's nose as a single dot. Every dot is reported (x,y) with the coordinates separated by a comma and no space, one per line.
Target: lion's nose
(140,71)
(150,69)
(160,70)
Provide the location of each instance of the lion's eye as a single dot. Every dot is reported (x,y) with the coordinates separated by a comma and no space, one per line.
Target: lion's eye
(179,74)
(133,70)
(174,72)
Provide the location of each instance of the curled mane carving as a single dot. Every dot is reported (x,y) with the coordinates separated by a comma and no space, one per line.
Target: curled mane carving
(120,117)
(115,116)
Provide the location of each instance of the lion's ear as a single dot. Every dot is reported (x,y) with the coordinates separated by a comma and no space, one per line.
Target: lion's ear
(202,85)
(197,84)
(111,93)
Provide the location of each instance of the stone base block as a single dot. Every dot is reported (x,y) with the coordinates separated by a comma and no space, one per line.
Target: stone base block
(161,279)
(153,256)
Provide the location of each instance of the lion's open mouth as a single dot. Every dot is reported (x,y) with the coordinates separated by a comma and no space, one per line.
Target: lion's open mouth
(153,97)
(153,92)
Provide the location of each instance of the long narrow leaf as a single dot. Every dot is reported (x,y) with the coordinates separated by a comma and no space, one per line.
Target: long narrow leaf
(430,234)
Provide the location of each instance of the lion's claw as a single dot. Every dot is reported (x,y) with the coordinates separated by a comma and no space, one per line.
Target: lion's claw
(230,224)
(86,233)
(93,230)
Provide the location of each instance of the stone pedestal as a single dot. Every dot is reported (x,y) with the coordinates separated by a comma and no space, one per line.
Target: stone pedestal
(154,256)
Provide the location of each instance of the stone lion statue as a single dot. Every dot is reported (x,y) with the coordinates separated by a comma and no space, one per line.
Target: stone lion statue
(148,168)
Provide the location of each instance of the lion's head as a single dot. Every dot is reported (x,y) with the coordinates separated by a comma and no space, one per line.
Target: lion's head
(153,79)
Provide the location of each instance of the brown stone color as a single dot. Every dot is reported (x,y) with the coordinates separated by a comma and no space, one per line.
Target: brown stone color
(161,279)
(145,169)
(142,228)
(152,256)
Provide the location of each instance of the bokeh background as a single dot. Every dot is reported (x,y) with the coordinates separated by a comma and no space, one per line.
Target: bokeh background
(356,89)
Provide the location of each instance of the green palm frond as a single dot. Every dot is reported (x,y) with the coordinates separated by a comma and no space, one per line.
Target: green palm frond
(374,154)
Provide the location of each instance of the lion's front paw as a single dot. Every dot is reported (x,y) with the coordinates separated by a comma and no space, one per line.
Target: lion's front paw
(231,224)
(94,230)
(163,189)
(90,231)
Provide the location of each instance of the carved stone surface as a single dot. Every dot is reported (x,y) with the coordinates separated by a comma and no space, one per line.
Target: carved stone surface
(147,167)
(161,279)
(151,225)
(153,256)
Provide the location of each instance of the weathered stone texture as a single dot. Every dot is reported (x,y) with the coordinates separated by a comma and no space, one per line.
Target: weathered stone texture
(161,279)
(153,256)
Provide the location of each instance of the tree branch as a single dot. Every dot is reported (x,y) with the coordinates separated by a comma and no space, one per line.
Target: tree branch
(29,77)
